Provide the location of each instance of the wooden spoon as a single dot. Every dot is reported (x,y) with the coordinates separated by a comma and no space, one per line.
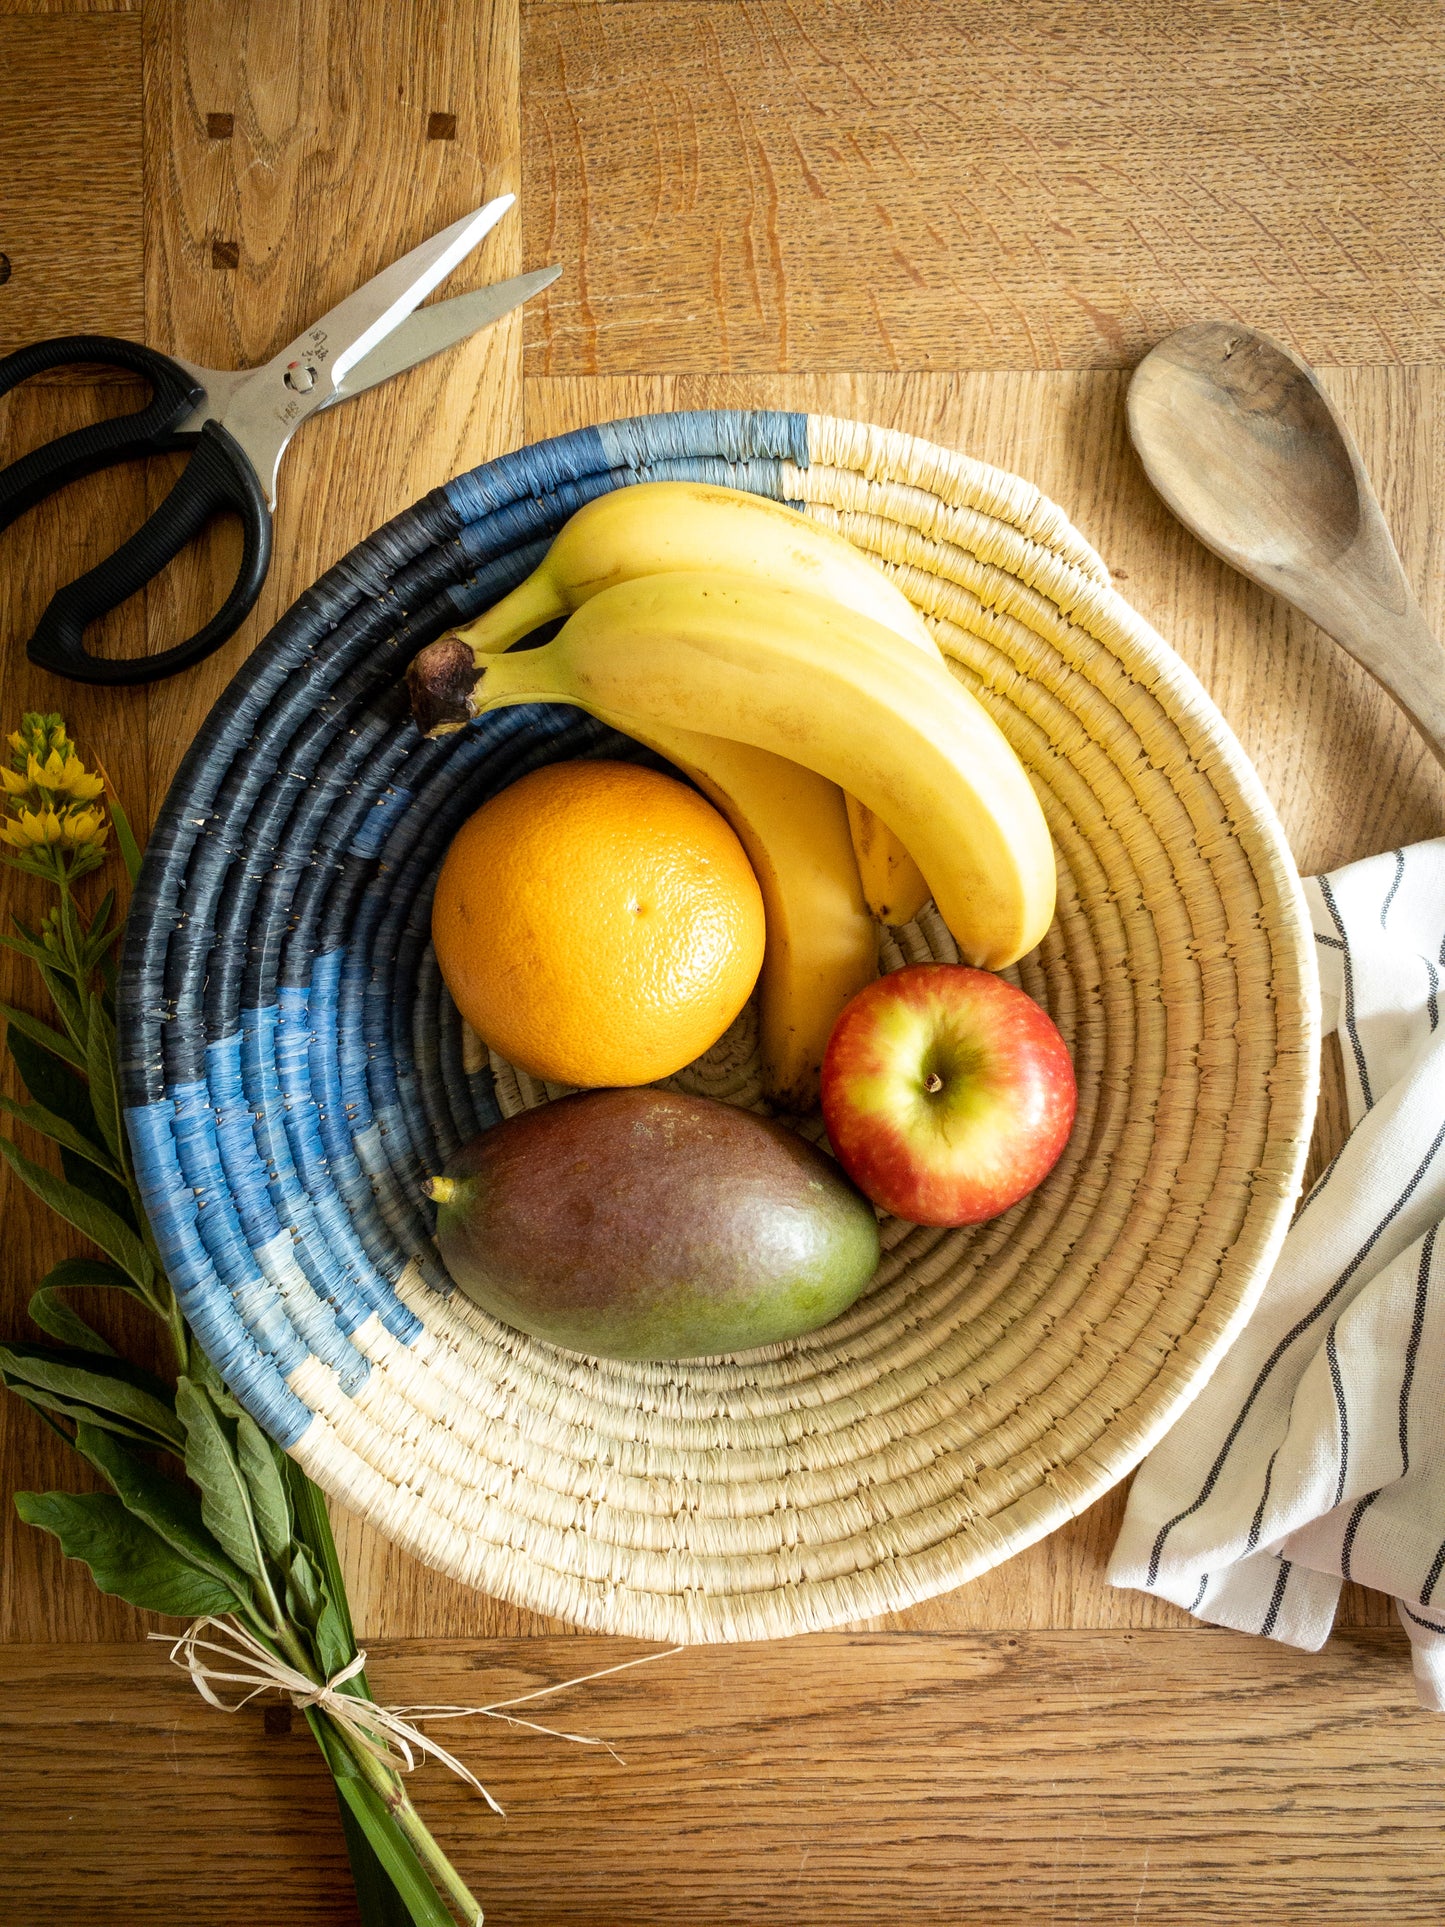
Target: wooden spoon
(1246,448)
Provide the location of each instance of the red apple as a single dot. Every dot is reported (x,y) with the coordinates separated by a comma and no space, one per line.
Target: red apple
(948,1095)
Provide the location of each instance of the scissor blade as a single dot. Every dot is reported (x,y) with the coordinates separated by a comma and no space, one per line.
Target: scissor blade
(267,408)
(431,330)
(368,316)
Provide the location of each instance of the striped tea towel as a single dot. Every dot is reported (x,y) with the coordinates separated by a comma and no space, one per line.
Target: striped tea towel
(1316,1453)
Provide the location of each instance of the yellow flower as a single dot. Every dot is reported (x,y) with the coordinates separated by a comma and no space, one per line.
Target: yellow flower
(55,820)
(35,827)
(84,829)
(79,782)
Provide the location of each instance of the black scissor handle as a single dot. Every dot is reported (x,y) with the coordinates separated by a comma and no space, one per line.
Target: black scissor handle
(218,478)
(99,444)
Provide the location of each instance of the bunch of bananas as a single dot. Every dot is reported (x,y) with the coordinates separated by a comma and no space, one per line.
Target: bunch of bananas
(860,776)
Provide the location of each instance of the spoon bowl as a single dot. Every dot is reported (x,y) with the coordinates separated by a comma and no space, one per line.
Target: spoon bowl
(1246,448)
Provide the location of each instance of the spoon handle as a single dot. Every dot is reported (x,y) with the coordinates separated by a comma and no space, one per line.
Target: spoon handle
(1391,639)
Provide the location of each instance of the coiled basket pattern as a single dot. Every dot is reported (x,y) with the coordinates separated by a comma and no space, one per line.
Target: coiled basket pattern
(293,1068)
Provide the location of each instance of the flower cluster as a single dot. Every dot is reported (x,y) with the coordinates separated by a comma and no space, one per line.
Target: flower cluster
(52,819)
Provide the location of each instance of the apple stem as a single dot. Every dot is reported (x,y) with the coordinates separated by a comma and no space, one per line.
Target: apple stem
(933,1083)
(440,1190)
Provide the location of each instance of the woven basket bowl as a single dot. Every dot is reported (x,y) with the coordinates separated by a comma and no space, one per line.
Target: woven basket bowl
(293,1068)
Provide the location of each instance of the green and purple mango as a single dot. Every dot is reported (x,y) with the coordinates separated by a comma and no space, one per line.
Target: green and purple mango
(647,1224)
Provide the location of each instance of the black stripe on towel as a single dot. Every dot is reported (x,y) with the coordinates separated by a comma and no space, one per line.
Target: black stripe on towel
(1277,1599)
(1428,1624)
(1433,1005)
(1329,896)
(1390,893)
(1256,1524)
(1332,1359)
(1432,1577)
(1296,1331)
(1412,1349)
(1198,1597)
(1347,1545)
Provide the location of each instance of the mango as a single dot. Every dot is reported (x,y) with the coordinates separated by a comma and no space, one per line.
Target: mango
(643,1224)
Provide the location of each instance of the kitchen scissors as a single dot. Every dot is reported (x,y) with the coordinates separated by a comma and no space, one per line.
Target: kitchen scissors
(236,424)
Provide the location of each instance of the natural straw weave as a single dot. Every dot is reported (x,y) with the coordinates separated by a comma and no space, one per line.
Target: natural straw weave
(294,1067)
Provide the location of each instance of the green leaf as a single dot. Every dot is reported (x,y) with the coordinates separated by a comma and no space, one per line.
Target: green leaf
(214,1468)
(100,1067)
(71,935)
(335,1647)
(63,996)
(303,1592)
(86,1274)
(125,1557)
(56,1128)
(52,1314)
(269,1505)
(169,1509)
(25,945)
(378,1903)
(45,1403)
(333,1635)
(85,1158)
(204,1374)
(89,1216)
(393,1889)
(111,1385)
(89,1380)
(55,1085)
(43,1034)
(125,838)
(95,1183)
(313,1530)
(101,934)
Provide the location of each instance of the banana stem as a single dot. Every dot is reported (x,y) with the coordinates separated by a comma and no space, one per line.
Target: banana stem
(529,605)
(523,678)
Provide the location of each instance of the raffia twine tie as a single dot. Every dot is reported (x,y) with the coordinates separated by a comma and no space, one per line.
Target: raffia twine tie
(387,1732)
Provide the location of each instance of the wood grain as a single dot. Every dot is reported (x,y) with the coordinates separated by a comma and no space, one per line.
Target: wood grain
(967,1779)
(70,214)
(915,185)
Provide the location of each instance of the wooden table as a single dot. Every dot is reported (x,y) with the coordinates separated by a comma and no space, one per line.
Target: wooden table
(963,220)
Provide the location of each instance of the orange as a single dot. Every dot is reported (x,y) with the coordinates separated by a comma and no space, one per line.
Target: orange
(598,923)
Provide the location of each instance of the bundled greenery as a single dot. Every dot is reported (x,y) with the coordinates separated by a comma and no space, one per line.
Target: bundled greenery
(245,1533)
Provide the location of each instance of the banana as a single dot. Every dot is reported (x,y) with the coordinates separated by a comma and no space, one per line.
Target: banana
(893,885)
(822,944)
(662,528)
(657,528)
(825,686)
